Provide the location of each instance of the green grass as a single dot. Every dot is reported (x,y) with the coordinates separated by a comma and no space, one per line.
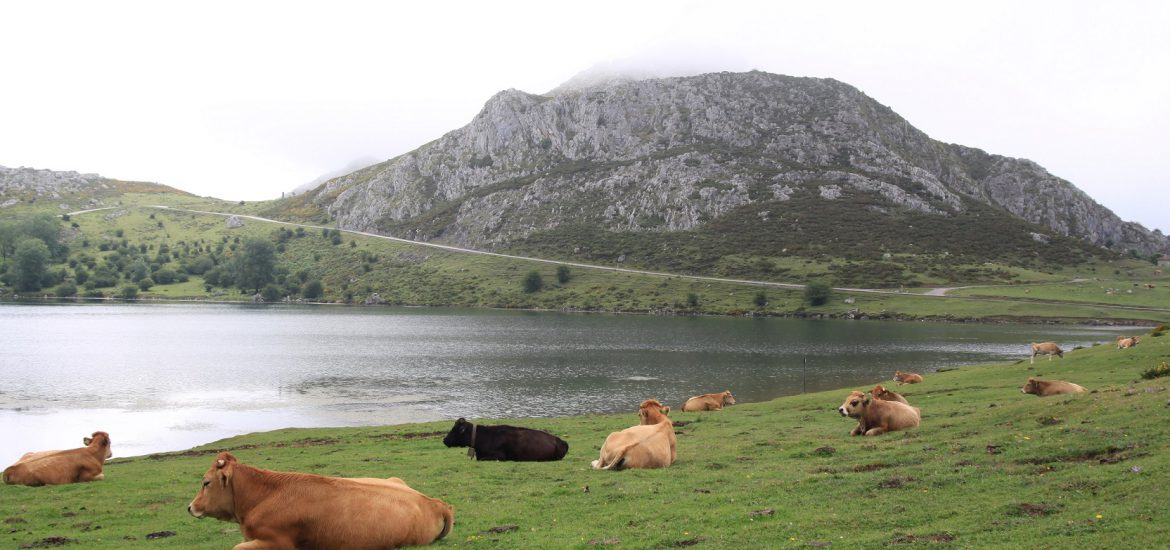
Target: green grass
(988,467)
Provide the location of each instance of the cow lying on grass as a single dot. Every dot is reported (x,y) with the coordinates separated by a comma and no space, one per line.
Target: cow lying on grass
(287,511)
(1124,342)
(651,444)
(876,416)
(709,402)
(61,467)
(880,392)
(505,442)
(1046,348)
(907,377)
(1045,388)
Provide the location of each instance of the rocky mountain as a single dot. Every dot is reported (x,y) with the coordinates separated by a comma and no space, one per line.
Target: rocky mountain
(73,191)
(767,165)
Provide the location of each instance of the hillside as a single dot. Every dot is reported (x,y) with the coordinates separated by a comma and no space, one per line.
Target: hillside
(989,467)
(693,173)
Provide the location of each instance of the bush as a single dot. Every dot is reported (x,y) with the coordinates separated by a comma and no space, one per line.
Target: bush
(1157,372)
(93,293)
(312,290)
(165,276)
(692,300)
(564,274)
(271,293)
(128,292)
(817,293)
(533,281)
(761,299)
(145,284)
(66,290)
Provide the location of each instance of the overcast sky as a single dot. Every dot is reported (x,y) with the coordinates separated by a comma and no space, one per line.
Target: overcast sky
(245,100)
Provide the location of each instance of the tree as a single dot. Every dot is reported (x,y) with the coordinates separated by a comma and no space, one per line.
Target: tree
(563,274)
(30,264)
(817,293)
(313,290)
(128,292)
(692,300)
(255,265)
(533,281)
(761,299)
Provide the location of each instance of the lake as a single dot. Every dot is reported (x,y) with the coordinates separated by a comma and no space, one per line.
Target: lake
(166,377)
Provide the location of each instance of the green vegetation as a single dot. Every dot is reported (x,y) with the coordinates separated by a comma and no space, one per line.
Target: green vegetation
(989,467)
(817,293)
(189,255)
(533,282)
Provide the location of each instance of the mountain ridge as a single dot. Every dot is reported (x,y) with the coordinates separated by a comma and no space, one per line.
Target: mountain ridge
(671,154)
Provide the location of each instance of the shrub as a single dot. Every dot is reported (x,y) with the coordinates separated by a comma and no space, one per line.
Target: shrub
(312,290)
(564,274)
(817,293)
(271,293)
(128,292)
(761,299)
(66,290)
(692,299)
(533,281)
(1157,372)
(145,284)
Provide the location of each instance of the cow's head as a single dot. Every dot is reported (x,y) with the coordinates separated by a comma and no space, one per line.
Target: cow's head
(1031,386)
(854,405)
(652,412)
(728,399)
(460,434)
(898,375)
(215,498)
(99,440)
(880,392)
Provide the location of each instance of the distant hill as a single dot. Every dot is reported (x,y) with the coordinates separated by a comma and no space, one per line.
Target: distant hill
(70,190)
(695,173)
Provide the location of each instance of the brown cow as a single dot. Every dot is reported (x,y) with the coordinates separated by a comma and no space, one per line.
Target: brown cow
(1045,388)
(61,467)
(651,444)
(709,402)
(1046,348)
(880,392)
(907,377)
(288,510)
(876,416)
(1127,341)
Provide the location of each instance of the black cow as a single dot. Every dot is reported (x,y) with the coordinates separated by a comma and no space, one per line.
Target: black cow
(505,442)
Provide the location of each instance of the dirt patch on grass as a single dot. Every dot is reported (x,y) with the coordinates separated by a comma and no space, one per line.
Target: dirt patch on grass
(502,529)
(688,542)
(911,538)
(49,542)
(896,482)
(1108,455)
(871,467)
(1039,509)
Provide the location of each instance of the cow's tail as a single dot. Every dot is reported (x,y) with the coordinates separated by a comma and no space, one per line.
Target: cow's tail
(619,461)
(448,519)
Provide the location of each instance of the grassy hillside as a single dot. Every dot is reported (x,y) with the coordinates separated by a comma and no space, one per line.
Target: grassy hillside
(989,467)
(189,245)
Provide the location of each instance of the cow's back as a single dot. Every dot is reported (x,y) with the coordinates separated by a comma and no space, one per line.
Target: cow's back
(54,468)
(364,513)
(702,403)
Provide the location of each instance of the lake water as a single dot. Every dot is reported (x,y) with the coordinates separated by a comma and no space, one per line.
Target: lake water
(164,377)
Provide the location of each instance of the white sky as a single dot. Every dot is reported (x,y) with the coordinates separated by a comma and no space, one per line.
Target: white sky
(244,100)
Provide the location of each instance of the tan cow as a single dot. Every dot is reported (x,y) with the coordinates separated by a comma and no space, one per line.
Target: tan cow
(907,377)
(1045,388)
(651,444)
(880,392)
(877,416)
(61,467)
(709,402)
(288,510)
(1046,348)
(1127,341)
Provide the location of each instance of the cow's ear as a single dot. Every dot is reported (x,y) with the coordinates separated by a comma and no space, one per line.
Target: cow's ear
(867,399)
(87,440)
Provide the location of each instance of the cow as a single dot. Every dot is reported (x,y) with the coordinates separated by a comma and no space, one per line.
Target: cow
(877,416)
(1046,348)
(61,467)
(1127,341)
(290,510)
(1045,388)
(650,444)
(505,442)
(880,392)
(709,402)
(907,377)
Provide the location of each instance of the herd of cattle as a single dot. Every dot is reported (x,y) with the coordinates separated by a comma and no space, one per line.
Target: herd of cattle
(268,505)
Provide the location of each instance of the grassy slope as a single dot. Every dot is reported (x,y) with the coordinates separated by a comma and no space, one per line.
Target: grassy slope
(415,275)
(989,467)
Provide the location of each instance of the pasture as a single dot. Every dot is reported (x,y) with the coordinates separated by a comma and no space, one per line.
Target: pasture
(988,467)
